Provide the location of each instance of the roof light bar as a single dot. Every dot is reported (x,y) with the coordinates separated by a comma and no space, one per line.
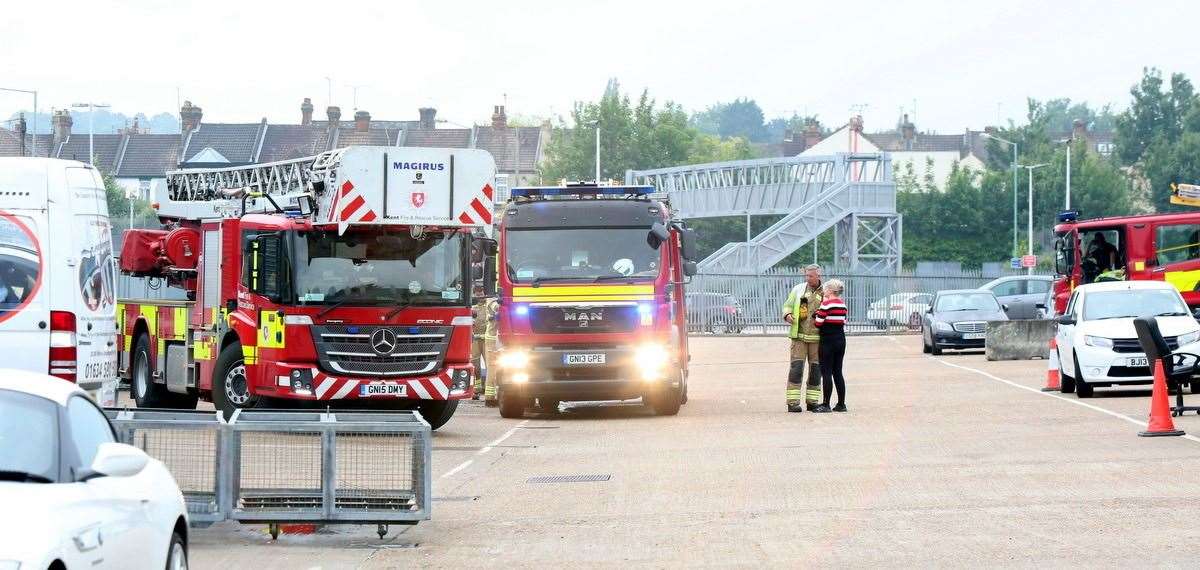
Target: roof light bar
(536,191)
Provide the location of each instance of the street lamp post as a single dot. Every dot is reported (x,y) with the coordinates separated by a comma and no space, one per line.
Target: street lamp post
(1014,186)
(91,107)
(597,152)
(35,113)
(1030,168)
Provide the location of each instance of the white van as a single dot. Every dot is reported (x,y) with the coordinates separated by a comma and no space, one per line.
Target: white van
(57,298)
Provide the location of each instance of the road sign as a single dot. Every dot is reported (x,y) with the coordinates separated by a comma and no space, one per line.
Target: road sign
(1028,261)
(1015,262)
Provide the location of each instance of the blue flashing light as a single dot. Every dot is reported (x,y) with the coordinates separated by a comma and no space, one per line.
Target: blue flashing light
(414,330)
(352,330)
(1067,216)
(521,310)
(536,191)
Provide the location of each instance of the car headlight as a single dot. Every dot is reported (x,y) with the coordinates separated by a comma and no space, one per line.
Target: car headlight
(942,326)
(513,359)
(1189,338)
(1098,341)
(652,356)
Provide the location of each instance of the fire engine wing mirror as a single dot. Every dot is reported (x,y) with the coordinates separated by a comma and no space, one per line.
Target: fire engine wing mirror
(689,268)
(687,243)
(481,248)
(658,234)
(1196,313)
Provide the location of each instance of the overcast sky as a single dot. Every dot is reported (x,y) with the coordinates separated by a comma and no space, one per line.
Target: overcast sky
(949,64)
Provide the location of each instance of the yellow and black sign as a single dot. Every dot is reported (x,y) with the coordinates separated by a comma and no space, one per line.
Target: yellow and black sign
(1185,194)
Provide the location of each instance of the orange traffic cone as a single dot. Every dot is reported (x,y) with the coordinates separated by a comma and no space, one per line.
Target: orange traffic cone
(1052,380)
(1160,407)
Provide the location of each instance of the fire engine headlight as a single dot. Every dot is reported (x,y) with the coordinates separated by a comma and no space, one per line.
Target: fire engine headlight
(519,378)
(1098,341)
(297,320)
(514,359)
(1189,338)
(462,378)
(652,357)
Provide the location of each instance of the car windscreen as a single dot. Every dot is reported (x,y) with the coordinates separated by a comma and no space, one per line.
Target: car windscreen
(579,254)
(1133,303)
(28,437)
(966,302)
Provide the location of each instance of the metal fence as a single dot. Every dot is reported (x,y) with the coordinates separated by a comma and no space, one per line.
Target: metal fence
(279,466)
(891,303)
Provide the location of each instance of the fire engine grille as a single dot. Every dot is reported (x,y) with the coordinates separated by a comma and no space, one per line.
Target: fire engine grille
(380,351)
(583,319)
(970,327)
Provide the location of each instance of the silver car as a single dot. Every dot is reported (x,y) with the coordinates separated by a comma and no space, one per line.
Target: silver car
(1020,294)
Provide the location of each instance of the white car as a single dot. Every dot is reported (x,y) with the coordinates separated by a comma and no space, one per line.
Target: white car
(1097,344)
(72,496)
(899,309)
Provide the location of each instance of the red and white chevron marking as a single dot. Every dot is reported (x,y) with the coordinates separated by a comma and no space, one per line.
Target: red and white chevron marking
(328,387)
(349,206)
(480,211)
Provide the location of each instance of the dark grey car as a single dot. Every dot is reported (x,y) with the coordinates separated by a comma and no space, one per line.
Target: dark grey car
(958,319)
(1020,294)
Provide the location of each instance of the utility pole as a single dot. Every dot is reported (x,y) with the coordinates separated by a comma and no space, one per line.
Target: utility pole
(1030,168)
(1068,203)
(597,152)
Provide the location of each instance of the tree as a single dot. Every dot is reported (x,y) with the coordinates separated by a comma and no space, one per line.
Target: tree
(1154,114)
(740,118)
(119,204)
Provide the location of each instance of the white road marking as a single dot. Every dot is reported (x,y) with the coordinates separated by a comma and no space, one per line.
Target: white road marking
(1055,395)
(485,449)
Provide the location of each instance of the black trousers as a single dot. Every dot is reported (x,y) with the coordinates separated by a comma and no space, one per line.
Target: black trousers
(833,352)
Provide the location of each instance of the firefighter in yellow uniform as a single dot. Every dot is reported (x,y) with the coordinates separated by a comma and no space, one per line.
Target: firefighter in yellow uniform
(490,309)
(798,312)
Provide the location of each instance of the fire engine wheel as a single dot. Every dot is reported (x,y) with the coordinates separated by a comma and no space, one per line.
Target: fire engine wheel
(145,392)
(230,388)
(667,401)
(512,406)
(437,412)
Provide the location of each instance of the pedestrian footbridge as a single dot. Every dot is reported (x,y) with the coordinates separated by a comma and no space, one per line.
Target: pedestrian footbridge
(852,194)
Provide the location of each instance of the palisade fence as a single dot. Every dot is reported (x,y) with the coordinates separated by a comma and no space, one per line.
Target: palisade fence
(877,303)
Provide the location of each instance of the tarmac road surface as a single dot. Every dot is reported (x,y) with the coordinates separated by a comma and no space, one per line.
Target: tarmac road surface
(941,461)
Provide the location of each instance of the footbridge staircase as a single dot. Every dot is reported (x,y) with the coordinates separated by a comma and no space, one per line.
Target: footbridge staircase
(852,194)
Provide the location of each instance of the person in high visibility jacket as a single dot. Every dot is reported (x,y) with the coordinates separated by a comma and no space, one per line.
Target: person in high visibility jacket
(799,311)
(491,308)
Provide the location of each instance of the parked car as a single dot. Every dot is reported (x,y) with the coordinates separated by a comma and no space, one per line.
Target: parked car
(1097,344)
(958,320)
(900,309)
(73,497)
(717,313)
(1019,295)
(1045,307)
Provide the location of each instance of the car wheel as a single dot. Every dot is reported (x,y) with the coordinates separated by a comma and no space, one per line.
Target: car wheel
(719,326)
(437,412)
(925,348)
(1082,388)
(230,387)
(934,349)
(177,554)
(1066,383)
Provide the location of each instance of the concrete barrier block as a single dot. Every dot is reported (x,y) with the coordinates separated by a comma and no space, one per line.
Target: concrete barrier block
(1019,340)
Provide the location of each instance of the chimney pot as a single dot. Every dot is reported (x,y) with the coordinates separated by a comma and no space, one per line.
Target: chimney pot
(499,119)
(362,121)
(190,116)
(62,125)
(21,131)
(306,111)
(334,114)
(428,117)
(1079,129)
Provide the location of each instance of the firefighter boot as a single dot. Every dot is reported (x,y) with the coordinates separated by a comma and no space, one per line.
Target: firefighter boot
(795,387)
(489,395)
(812,397)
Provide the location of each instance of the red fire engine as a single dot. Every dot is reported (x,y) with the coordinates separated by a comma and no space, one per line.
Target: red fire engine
(343,278)
(592,299)
(1163,247)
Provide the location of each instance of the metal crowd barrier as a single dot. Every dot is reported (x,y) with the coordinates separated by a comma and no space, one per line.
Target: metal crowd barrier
(285,466)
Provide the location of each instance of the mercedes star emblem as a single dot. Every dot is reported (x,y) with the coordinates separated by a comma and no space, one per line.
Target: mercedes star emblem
(383,341)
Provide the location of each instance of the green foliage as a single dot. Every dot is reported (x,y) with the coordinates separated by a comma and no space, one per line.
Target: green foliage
(740,118)
(1155,115)
(119,204)
(1060,114)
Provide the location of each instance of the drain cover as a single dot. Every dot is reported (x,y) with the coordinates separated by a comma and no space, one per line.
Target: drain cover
(569,478)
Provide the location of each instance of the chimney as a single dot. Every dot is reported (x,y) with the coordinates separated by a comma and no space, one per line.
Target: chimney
(334,114)
(908,131)
(62,125)
(21,132)
(362,121)
(856,123)
(306,109)
(812,134)
(990,130)
(499,119)
(189,117)
(1079,129)
(428,117)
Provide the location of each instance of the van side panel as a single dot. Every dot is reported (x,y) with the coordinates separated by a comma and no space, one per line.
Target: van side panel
(25,264)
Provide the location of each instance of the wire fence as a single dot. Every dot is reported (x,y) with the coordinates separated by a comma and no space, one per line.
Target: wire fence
(891,303)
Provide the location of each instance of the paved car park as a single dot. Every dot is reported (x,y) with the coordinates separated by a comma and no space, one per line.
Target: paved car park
(946,461)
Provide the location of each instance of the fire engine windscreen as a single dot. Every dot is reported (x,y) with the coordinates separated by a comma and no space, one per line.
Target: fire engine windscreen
(583,254)
(374,266)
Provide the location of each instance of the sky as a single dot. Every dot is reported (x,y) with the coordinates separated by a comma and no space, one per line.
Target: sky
(949,65)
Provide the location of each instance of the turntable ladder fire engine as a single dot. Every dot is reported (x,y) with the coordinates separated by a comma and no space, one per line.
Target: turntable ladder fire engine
(853,194)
